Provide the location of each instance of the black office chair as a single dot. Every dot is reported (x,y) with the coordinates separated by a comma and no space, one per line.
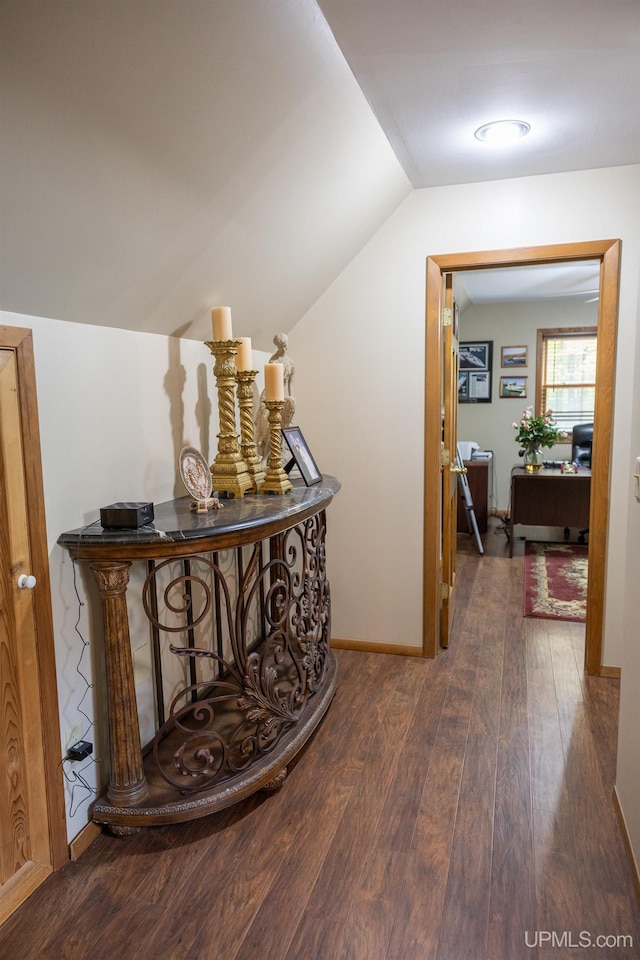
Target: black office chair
(581,443)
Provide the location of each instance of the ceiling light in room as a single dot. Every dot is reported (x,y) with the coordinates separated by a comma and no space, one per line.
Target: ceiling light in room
(502,132)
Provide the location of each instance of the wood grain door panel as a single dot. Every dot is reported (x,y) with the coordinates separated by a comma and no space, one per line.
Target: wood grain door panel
(27,851)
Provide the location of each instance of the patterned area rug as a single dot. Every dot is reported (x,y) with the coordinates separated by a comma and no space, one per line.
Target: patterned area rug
(555,581)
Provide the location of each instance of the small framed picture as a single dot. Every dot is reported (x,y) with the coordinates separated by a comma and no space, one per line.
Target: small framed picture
(513,387)
(513,356)
(301,456)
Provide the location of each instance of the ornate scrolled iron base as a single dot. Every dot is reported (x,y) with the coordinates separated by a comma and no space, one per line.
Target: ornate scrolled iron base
(165,806)
(252,700)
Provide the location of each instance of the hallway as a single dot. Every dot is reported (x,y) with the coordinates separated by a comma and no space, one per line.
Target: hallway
(449,809)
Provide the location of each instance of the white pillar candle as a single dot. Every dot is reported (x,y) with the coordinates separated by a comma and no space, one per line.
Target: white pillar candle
(221,323)
(244,356)
(273,381)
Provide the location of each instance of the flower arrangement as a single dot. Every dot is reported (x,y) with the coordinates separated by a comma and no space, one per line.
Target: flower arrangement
(536,432)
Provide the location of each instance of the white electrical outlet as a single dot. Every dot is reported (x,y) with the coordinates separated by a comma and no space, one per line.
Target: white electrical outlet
(73,734)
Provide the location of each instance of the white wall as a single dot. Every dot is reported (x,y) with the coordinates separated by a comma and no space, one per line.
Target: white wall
(491,424)
(628,773)
(362,351)
(115,409)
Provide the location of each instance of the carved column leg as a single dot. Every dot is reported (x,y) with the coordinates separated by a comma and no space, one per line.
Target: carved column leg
(127,784)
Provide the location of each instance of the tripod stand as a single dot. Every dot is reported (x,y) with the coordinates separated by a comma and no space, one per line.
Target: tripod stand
(465,493)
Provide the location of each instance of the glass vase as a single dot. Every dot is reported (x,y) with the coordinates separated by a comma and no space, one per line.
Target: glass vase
(533,459)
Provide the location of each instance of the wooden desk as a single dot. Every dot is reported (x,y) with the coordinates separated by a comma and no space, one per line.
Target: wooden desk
(238,608)
(478,477)
(549,498)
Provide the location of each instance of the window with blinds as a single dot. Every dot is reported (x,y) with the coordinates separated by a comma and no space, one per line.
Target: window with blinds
(566,375)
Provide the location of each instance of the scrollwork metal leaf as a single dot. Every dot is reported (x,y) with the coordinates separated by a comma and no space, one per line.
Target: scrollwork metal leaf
(262,701)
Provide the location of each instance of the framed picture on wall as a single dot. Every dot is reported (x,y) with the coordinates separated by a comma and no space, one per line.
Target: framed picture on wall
(513,356)
(513,387)
(475,363)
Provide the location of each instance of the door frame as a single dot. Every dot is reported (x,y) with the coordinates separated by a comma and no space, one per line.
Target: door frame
(20,341)
(449,467)
(607,252)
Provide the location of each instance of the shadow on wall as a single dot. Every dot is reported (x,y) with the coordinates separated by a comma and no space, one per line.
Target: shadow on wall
(203,411)
(174,381)
(174,385)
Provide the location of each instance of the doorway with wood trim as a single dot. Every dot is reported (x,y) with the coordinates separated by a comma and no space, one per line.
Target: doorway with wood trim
(32,814)
(607,252)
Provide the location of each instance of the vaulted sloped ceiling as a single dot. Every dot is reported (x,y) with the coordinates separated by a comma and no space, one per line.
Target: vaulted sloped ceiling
(163,157)
(159,157)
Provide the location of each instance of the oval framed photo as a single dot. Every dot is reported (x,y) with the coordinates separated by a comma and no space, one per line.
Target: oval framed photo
(195,473)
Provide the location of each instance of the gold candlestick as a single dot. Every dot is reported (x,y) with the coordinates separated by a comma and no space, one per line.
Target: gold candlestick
(276,480)
(248,448)
(229,471)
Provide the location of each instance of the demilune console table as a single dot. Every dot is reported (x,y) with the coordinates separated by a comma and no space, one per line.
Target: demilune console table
(549,498)
(238,608)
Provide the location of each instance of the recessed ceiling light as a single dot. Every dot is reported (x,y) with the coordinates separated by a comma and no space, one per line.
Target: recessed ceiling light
(502,131)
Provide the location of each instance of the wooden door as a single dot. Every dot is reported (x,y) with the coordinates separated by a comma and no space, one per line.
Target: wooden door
(449,468)
(32,827)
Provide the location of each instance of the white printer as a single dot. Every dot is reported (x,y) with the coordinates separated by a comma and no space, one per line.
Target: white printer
(466,448)
(470,450)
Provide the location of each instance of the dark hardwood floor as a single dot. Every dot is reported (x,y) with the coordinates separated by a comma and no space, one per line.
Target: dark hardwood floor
(449,809)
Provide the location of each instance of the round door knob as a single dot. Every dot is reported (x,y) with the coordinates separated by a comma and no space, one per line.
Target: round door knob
(26,581)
